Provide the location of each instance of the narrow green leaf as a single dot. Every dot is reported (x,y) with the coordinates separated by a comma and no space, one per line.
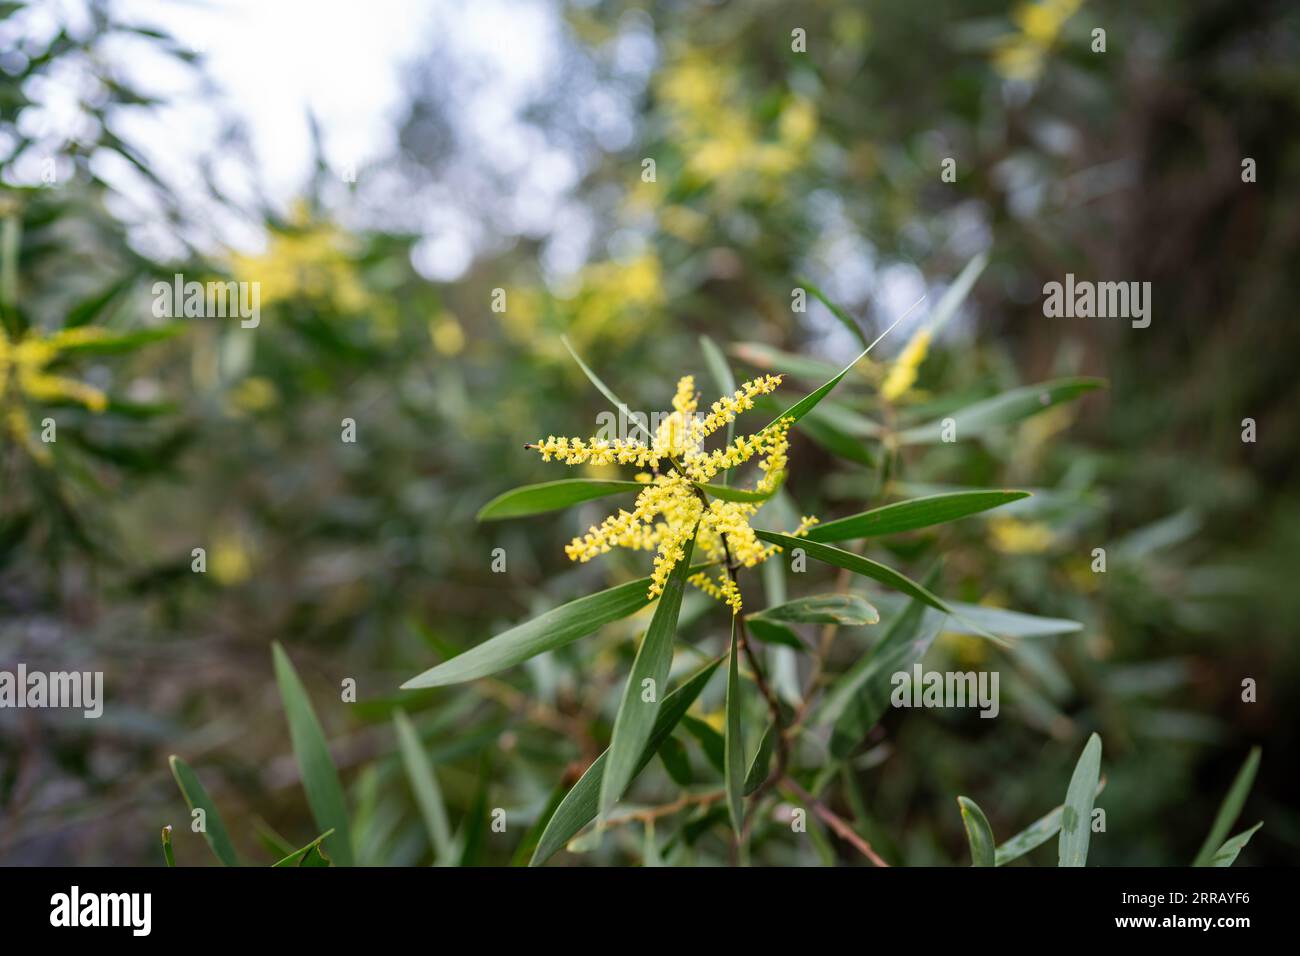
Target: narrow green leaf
(1076,813)
(836,441)
(1036,834)
(1005,622)
(734,759)
(472,835)
(956,293)
(1012,406)
(320,778)
(1230,809)
(851,610)
(770,632)
(676,761)
(857,564)
(87,309)
(579,806)
(758,767)
(424,784)
(168,856)
(605,389)
(845,319)
(910,515)
(740,494)
(636,715)
(298,856)
(858,700)
(773,360)
(806,404)
(710,741)
(978,832)
(555,628)
(552,496)
(528,845)
(1227,854)
(196,797)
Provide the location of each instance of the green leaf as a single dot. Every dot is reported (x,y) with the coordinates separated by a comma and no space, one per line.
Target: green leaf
(299,857)
(710,741)
(957,292)
(555,628)
(846,609)
(168,857)
(770,632)
(473,832)
(123,341)
(909,515)
(740,494)
(845,319)
(806,404)
(734,759)
(320,778)
(605,389)
(676,761)
(424,784)
(552,496)
(1230,809)
(856,702)
(772,360)
(579,806)
(196,797)
(1012,406)
(87,309)
(1227,854)
(1007,623)
(857,564)
(978,832)
(528,845)
(1034,835)
(836,441)
(758,767)
(1076,813)
(636,716)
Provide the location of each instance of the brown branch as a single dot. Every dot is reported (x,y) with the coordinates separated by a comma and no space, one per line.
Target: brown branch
(835,822)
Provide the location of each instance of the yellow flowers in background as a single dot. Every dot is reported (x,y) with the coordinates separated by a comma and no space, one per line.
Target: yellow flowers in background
(1021,55)
(710,120)
(721,529)
(902,374)
(1013,536)
(25,376)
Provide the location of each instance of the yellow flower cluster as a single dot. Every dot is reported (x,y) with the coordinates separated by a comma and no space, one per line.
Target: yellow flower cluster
(673,508)
(23,374)
(1021,55)
(902,374)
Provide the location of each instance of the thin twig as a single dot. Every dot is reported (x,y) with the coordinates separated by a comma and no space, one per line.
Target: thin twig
(835,822)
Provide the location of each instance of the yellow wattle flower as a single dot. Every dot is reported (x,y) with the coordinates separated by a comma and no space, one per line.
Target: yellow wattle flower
(672,508)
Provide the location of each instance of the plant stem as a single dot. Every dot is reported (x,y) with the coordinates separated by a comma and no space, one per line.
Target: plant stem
(835,822)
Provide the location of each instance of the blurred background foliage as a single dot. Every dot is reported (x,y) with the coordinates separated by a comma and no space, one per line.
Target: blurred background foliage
(772,169)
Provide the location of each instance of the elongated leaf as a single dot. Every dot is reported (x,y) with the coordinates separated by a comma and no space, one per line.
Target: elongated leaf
(740,494)
(956,293)
(845,609)
(770,632)
(636,715)
(978,832)
(1076,813)
(555,628)
(424,784)
(769,359)
(1012,406)
(298,857)
(910,515)
(836,441)
(605,389)
(168,856)
(320,778)
(857,564)
(196,797)
(1034,835)
(87,309)
(528,845)
(1229,810)
(1007,623)
(710,741)
(806,404)
(845,319)
(734,759)
(552,496)
(758,767)
(1227,854)
(579,806)
(859,699)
